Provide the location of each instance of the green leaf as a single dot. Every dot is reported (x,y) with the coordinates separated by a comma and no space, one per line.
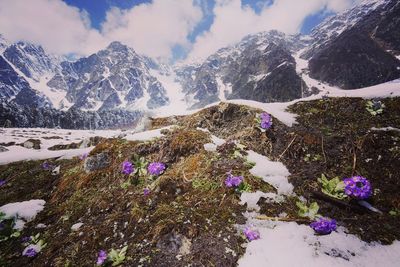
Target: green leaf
(310,212)
(117,256)
(16,234)
(334,187)
(394,213)
(244,187)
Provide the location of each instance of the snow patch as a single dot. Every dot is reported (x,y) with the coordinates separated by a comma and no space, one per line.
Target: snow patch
(280,239)
(178,104)
(272,172)
(251,199)
(24,211)
(146,135)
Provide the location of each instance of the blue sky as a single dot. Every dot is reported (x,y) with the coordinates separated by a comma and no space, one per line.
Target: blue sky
(97,12)
(162,29)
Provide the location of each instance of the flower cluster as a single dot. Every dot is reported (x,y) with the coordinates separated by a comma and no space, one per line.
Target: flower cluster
(357,187)
(102,257)
(127,167)
(265,121)
(156,168)
(47,166)
(251,234)
(146,192)
(33,245)
(26,239)
(323,226)
(30,252)
(112,258)
(233,181)
(375,107)
(2,182)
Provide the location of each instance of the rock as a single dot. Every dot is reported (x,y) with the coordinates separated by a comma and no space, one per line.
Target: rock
(56,170)
(64,147)
(174,243)
(92,141)
(96,162)
(31,143)
(3,149)
(76,226)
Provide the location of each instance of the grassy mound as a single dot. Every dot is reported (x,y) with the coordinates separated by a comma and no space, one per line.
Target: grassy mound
(190,216)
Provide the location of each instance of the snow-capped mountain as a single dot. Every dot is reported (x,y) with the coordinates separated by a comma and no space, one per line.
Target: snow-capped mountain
(334,25)
(27,100)
(3,43)
(260,67)
(357,48)
(10,82)
(116,77)
(31,60)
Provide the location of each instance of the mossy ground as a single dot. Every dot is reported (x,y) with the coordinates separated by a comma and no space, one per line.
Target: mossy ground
(333,137)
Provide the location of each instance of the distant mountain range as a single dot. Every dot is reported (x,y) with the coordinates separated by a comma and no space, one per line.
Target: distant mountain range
(116,86)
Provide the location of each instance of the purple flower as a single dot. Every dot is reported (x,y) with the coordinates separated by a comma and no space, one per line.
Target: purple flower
(357,187)
(156,168)
(323,226)
(127,167)
(30,252)
(251,234)
(2,182)
(26,239)
(102,257)
(83,156)
(233,181)
(46,166)
(146,192)
(266,120)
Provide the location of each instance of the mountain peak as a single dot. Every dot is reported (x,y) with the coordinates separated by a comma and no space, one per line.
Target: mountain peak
(117,46)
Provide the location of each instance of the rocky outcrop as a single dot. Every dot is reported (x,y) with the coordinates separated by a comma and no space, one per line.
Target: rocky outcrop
(96,162)
(354,60)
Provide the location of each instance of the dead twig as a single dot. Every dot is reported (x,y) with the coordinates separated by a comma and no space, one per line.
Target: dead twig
(354,162)
(186,180)
(222,200)
(291,142)
(283,219)
(338,202)
(323,150)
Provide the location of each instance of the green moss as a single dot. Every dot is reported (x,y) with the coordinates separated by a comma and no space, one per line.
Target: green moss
(205,184)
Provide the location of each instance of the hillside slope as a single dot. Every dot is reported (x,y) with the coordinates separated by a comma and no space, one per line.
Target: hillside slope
(188,215)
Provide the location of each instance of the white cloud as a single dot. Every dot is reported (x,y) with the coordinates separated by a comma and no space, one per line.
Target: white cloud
(59,28)
(153,29)
(233,21)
